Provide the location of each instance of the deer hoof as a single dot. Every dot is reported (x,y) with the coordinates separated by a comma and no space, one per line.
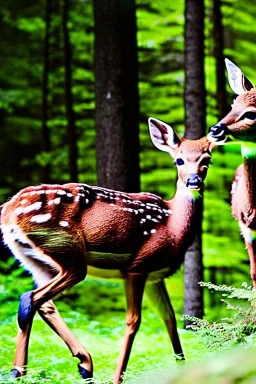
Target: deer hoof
(84,372)
(15,373)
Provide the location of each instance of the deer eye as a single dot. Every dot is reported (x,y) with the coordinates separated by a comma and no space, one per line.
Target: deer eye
(249,116)
(205,162)
(179,161)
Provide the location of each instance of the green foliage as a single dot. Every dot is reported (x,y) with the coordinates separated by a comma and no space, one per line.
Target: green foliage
(234,329)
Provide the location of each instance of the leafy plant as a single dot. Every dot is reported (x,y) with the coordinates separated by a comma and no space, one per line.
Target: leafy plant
(237,327)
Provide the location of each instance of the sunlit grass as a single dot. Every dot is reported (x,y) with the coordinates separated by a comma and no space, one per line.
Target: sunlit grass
(95,312)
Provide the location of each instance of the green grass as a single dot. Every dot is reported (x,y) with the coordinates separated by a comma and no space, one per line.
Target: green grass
(95,312)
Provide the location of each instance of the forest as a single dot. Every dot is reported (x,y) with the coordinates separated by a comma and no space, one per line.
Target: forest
(78,81)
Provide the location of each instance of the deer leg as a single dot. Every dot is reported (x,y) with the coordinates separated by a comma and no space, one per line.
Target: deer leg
(31,301)
(134,287)
(158,295)
(21,355)
(251,249)
(51,316)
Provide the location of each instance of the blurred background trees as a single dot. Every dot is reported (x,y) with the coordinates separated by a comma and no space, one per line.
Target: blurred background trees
(48,93)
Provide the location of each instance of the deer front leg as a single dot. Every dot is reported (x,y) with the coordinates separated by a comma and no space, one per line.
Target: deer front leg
(134,287)
(51,316)
(251,248)
(158,295)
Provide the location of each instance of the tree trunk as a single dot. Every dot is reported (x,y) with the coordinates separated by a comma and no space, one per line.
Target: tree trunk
(221,94)
(46,144)
(72,136)
(195,128)
(117,96)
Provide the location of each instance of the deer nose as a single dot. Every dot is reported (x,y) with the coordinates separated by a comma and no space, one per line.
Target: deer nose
(218,132)
(194,181)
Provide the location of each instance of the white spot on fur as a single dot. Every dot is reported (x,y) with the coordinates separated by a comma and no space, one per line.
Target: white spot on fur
(24,194)
(18,211)
(51,191)
(248,234)
(233,188)
(69,195)
(153,231)
(32,207)
(41,218)
(57,200)
(24,201)
(64,223)
(60,192)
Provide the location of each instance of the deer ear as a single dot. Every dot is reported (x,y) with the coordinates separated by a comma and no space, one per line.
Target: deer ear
(163,135)
(237,80)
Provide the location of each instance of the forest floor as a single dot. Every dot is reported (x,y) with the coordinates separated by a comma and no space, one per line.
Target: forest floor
(95,311)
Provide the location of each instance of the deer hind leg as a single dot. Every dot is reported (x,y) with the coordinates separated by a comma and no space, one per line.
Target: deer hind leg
(158,295)
(52,275)
(251,249)
(134,287)
(51,316)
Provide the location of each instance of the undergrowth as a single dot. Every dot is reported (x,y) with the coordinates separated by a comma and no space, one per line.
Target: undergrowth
(234,329)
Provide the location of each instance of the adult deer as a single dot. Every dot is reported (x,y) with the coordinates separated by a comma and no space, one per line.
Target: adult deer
(240,125)
(61,232)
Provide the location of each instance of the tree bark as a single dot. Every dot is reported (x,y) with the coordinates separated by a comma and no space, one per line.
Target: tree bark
(218,38)
(195,128)
(72,135)
(46,143)
(117,96)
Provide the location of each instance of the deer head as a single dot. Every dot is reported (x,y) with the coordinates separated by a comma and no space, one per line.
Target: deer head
(240,122)
(192,157)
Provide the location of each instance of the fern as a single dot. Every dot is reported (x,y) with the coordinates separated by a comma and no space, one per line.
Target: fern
(231,330)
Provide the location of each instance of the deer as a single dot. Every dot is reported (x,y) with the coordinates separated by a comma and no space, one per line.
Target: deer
(239,126)
(61,233)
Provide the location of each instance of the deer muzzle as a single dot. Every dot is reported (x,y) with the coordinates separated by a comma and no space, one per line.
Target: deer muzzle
(194,182)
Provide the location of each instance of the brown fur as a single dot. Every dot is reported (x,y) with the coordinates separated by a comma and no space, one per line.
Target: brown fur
(57,231)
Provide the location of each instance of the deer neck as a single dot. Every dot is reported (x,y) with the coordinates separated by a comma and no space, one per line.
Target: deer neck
(186,206)
(249,173)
